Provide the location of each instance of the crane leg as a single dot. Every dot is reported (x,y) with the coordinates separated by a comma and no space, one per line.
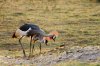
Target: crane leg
(22,46)
(40,47)
(33,46)
(32,49)
(30,46)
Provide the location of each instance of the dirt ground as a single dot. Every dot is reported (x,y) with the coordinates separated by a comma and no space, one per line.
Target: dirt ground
(82,54)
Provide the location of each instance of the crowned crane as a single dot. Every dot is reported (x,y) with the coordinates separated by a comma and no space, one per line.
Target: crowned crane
(33,31)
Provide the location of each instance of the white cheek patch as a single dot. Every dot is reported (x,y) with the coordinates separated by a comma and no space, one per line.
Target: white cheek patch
(54,37)
(20,33)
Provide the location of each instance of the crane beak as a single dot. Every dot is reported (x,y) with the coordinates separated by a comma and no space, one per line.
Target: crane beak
(54,40)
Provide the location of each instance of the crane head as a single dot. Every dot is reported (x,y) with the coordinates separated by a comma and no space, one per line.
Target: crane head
(53,36)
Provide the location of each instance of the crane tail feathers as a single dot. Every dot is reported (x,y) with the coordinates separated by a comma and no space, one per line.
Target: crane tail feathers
(14,36)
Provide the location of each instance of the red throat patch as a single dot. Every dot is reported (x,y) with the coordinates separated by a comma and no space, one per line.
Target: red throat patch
(46,38)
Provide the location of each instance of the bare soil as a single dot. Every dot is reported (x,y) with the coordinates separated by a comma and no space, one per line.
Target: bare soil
(82,54)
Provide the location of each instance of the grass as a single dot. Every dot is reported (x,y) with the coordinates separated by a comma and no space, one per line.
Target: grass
(76,63)
(77,21)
